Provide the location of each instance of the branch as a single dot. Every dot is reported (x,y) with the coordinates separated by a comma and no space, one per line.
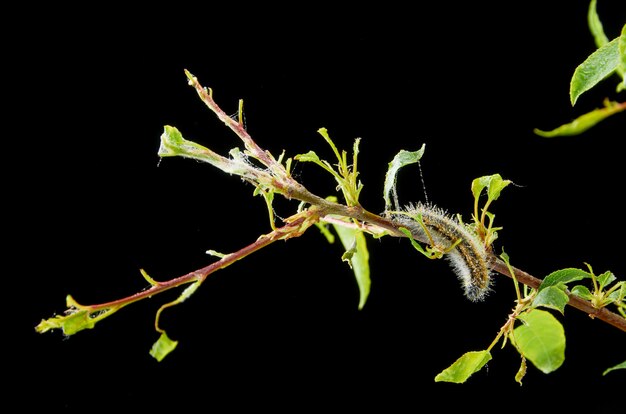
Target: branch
(273,178)
(79,317)
(529,280)
(370,222)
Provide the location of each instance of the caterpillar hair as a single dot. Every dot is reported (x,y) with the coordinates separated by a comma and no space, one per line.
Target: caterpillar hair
(464,250)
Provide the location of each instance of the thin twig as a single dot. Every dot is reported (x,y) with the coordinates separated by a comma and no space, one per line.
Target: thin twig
(600,313)
(292,229)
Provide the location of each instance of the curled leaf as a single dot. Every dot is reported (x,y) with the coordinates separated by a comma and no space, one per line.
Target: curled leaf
(521,373)
(162,347)
(493,184)
(613,368)
(174,145)
(76,318)
(583,122)
(582,292)
(606,279)
(401,159)
(464,367)
(594,69)
(595,25)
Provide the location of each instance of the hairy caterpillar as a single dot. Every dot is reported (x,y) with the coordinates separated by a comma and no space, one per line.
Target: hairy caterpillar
(463,249)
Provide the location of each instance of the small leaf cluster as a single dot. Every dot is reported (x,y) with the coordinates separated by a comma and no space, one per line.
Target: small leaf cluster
(603,291)
(536,334)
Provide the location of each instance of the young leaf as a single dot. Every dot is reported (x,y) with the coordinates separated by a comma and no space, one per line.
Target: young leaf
(541,339)
(595,25)
(551,297)
(594,69)
(174,145)
(464,367)
(401,159)
(564,276)
(583,122)
(324,133)
(582,292)
(415,244)
(622,57)
(72,322)
(163,346)
(77,318)
(521,372)
(618,366)
(310,156)
(494,184)
(620,293)
(354,242)
(606,279)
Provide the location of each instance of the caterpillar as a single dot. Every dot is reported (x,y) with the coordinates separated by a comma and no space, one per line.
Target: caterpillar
(463,249)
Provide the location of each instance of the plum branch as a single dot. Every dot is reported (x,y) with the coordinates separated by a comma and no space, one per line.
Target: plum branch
(270,176)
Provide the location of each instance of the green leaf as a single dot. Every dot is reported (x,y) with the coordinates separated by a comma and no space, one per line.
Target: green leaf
(595,25)
(72,322)
(494,184)
(354,242)
(324,133)
(619,294)
(464,367)
(594,69)
(613,368)
(582,292)
(541,339)
(583,122)
(606,279)
(77,318)
(479,184)
(521,372)
(310,156)
(551,297)
(162,347)
(564,276)
(401,159)
(622,56)
(414,242)
(174,145)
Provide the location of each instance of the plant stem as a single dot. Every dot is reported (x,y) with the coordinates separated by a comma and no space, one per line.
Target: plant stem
(294,228)
(601,313)
(290,188)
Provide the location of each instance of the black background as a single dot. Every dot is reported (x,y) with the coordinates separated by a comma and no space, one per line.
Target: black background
(281,329)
